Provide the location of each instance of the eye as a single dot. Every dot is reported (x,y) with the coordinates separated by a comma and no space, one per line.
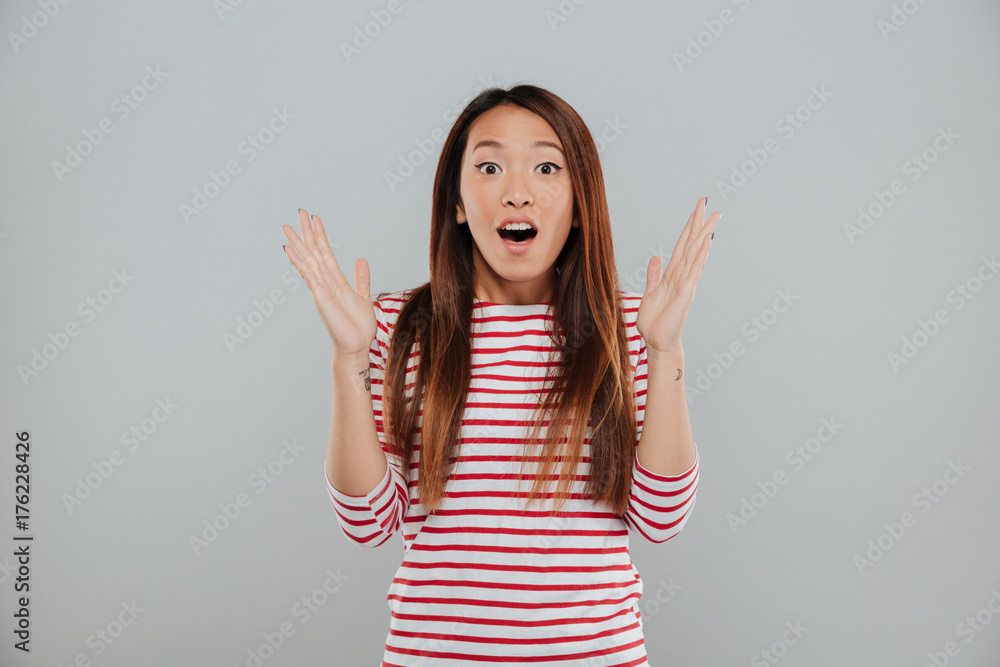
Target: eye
(551,166)
(482,164)
(555,168)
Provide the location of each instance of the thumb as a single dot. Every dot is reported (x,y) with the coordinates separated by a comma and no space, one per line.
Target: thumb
(362,279)
(653,273)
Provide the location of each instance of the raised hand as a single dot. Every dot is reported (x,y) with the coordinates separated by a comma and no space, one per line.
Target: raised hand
(667,300)
(347,313)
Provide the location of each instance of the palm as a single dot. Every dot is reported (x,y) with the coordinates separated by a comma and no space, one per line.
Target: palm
(667,300)
(346,312)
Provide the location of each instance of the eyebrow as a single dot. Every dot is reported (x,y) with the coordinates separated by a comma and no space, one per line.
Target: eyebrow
(493,143)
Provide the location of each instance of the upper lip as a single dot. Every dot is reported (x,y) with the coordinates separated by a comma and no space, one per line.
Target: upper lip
(517,218)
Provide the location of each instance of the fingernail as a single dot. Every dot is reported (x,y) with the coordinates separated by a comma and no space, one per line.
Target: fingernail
(713,235)
(286,251)
(706,200)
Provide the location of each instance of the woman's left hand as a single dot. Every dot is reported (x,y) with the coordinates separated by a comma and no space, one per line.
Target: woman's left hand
(667,300)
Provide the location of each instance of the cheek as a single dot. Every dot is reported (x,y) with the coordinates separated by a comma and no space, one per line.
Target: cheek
(474,204)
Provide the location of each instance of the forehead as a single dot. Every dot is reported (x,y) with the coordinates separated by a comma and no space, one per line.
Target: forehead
(514,127)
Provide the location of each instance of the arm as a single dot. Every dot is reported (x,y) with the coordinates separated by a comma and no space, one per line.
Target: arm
(364,479)
(664,494)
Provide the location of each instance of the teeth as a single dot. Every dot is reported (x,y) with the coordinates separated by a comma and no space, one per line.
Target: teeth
(516,225)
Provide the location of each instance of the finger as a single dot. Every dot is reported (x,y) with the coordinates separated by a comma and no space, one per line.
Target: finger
(304,259)
(309,237)
(362,279)
(309,252)
(294,240)
(698,265)
(704,230)
(312,281)
(326,250)
(682,251)
(680,248)
(653,273)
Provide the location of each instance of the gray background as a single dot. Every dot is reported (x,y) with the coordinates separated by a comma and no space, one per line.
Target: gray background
(724,595)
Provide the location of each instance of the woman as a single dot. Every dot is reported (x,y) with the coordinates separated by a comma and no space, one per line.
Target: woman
(521,327)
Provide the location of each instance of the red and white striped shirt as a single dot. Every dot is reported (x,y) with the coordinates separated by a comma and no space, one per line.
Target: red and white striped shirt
(480,582)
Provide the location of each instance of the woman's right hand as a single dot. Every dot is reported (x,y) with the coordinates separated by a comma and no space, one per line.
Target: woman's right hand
(347,313)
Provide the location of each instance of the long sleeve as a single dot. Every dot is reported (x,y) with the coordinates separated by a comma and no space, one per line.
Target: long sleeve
(370,520)
(659,505)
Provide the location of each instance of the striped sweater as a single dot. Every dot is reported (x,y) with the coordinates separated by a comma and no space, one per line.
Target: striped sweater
(480,583)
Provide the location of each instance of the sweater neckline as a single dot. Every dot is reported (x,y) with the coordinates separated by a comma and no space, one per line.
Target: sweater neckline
(476,300)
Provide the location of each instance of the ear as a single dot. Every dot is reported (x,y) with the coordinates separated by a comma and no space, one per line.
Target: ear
(460,215)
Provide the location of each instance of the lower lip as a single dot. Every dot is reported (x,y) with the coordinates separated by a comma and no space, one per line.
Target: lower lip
(517,248)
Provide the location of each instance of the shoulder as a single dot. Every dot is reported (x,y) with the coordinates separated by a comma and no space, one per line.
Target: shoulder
(387,307)
(389,304)
(630,310)
(630,306)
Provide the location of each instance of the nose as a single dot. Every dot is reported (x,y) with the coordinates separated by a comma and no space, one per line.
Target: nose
(517,193)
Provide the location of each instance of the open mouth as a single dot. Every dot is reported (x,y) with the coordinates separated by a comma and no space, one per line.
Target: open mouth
(517,235)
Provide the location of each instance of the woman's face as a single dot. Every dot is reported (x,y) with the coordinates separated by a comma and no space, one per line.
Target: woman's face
(514,166)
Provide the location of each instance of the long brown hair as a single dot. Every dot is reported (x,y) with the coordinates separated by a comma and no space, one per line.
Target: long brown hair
(595,374)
